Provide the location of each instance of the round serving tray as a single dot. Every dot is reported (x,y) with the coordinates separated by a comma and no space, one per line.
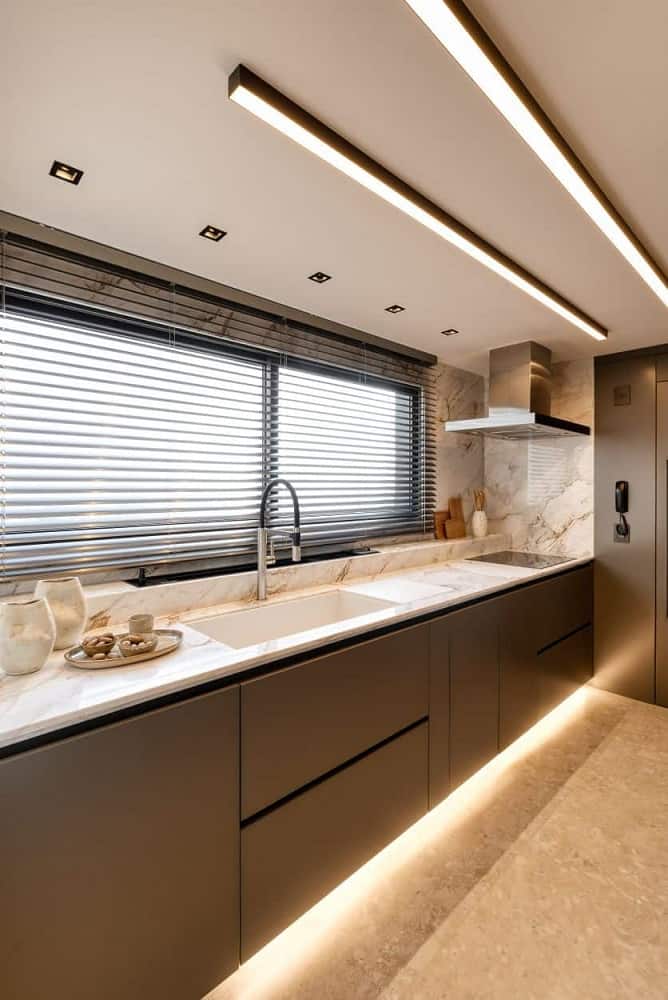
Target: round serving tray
(169,639)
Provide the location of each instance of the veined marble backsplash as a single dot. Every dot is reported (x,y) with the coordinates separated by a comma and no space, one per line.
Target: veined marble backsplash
(112,604)
(459,457)
(542,493)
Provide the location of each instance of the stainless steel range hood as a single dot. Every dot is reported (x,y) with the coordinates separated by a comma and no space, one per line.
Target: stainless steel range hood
(520,394)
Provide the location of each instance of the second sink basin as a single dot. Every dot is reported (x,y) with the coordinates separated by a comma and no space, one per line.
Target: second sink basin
(275,621)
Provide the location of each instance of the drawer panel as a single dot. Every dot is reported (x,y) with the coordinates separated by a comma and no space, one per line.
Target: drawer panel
(296,853)
(563,604)
(303,721)
(565,666)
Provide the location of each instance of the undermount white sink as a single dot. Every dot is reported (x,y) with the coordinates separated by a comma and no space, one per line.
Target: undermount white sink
(275,621)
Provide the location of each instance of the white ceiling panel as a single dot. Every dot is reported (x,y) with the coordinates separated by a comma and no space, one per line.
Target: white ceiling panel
(136,95)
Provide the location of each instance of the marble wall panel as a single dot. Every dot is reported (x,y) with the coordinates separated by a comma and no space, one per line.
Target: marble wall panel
(542,493)
(459,457)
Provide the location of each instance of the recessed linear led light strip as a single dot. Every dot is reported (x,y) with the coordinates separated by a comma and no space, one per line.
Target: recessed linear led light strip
(458,31)
(277,110)
(286,956)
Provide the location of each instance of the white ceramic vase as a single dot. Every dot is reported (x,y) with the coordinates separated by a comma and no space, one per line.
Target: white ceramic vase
(67,601)
(479,524)
(27,634)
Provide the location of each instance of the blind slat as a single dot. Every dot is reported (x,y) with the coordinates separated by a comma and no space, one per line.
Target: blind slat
(141,422)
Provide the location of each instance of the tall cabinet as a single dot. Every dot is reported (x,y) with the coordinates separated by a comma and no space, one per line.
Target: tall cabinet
(630,589)
(661,678)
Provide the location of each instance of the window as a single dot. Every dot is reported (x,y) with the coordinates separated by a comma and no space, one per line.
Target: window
(350,449)
(140,448)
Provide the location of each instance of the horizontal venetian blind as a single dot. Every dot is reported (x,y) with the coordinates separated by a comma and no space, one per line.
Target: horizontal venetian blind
(124,452)
(352,450)
(132,439)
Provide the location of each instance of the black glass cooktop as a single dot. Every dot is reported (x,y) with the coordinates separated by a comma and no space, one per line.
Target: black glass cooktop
(527,560)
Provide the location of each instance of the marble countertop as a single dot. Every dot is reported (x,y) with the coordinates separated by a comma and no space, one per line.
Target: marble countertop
(59,695)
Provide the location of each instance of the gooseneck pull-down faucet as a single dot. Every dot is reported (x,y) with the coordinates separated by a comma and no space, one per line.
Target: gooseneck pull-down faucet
(265,538)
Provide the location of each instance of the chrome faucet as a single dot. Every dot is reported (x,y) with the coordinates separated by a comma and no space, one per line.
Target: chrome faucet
(266,539)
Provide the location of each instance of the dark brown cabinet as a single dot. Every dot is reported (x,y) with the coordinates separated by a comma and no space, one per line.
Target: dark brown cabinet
(119,858)
(545,648)
(301,722)
(142,858)
(561,605)
(474,690)
(519,690)
(296,853)
(661,606)
(464,696)
(439,710)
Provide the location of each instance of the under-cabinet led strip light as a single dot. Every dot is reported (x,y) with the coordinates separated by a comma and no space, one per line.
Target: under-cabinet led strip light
(458,31)
(263,100)
(281,962)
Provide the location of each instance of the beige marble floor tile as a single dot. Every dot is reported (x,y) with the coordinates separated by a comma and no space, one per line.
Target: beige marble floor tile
(552,884)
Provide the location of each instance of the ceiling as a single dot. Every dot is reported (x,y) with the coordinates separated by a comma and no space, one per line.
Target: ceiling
(135,93)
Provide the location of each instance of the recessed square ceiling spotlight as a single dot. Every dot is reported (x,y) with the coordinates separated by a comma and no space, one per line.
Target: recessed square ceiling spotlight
(212,233)
(394,309)
(319,277)
(449,333)
(65,172)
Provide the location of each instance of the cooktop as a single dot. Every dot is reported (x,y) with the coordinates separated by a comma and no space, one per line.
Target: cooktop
(528,560)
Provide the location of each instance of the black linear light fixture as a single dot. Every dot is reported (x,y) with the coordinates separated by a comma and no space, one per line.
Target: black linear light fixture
(319,277)
(394,309)
(465,39)
(450,332)
(212,233)
(277,110)
(65,172)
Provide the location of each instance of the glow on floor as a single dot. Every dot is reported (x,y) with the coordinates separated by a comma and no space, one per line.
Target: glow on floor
(297,945)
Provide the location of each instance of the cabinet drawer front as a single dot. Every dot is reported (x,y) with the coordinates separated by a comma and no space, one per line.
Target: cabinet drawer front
(563,605)
(302,722)
(533,679)
(565,666)
(296,853)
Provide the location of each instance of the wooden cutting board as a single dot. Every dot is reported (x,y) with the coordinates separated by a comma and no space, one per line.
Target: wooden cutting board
(455,526)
